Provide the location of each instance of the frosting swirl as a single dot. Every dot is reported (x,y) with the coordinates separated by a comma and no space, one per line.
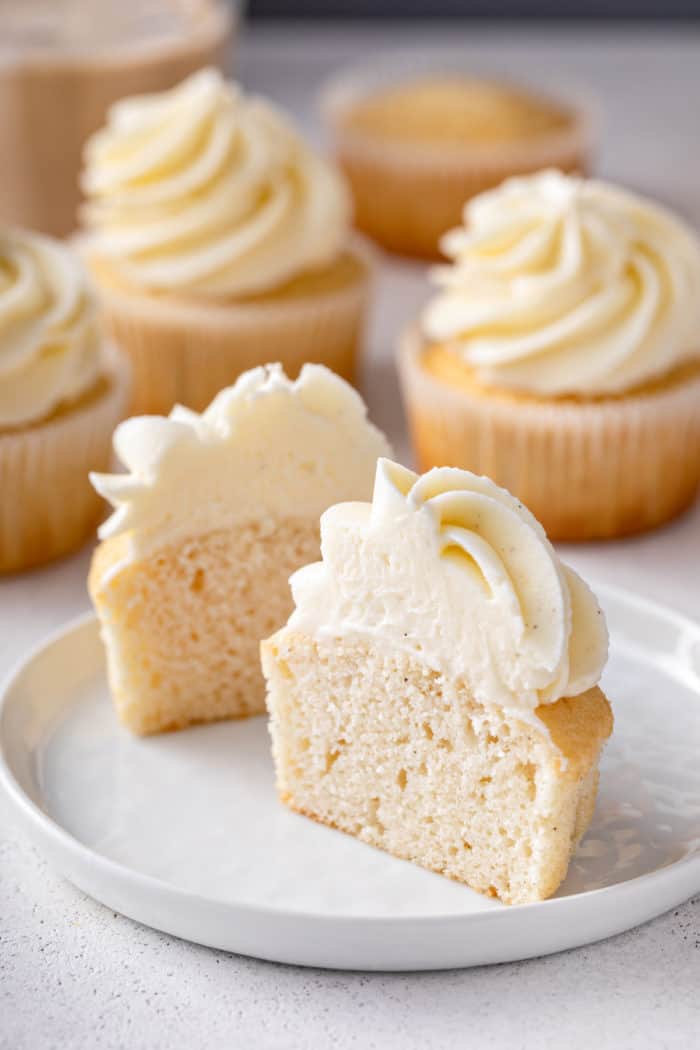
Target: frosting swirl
(561,285)
(202,190)
(456,570)
(265,448)
(50,340)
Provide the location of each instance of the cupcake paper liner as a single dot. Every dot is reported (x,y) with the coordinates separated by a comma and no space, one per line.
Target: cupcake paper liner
(407,195)
(47,505)
(185,352)
(587,469)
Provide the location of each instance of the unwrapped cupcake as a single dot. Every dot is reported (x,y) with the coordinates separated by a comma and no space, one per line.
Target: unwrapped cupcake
(215,513)
(561,355)
(218,241)
(435,691)
(62,392)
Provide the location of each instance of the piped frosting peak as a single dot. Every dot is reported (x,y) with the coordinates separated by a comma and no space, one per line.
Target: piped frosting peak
(562,285)
(205,191)
(456,570)
(50,339)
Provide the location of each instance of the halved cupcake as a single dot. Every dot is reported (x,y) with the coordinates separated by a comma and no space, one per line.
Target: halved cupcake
(62,392)
(215,513)
(218,241)
(561,355)
(435,690)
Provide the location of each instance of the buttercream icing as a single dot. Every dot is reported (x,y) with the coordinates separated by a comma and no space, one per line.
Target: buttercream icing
(457,571)
(561,285)
(265,448)
(205,191)
(50,339)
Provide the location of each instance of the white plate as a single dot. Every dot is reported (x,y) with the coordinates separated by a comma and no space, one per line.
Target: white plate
(183,832)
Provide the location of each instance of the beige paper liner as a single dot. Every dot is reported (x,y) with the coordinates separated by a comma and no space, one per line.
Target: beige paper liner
(587,469)
(406,196)
(47,505)
(186,352)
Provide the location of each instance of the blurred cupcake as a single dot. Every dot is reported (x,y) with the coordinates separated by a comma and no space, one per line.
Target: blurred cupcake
(561,355)
(61,395)
(218,241)
(416,149)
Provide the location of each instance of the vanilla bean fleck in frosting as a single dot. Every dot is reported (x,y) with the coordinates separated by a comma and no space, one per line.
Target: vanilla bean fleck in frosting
(203,190)
(50,339)
(455,570)
(561,285)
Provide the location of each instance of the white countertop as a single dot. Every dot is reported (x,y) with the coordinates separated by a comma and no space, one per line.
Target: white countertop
(74,975)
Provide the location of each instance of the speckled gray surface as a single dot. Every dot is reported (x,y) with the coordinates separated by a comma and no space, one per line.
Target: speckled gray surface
(74,975)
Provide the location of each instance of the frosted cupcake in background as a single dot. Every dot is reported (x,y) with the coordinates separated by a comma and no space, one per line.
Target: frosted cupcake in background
(218,241)
(415,146)
(561,355)
(61,395)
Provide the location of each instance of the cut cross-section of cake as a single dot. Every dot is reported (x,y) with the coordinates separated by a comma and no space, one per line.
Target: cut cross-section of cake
(435,690)
(215,513)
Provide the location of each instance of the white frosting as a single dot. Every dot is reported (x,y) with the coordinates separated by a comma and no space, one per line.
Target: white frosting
(265,449)
(50,340)
(455,570)
(203,190)
(561,285)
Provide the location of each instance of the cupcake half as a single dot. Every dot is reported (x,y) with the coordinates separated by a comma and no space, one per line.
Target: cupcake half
(215,513)
(416,147)
(561,355)
(435,689)
(218,241)
(62,392)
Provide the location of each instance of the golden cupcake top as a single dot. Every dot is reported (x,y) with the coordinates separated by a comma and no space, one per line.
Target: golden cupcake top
(204,191)
(452,109)
(50,339)
(454,570)
(559,285)
(266,447)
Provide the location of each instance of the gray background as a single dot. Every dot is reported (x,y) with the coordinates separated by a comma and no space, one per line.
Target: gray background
(560,9)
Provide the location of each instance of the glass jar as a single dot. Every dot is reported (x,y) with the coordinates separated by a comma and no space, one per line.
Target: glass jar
(62,64)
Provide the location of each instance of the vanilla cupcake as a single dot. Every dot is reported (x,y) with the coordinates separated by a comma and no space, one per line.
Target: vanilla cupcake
(218,241)
(61,395)
(215,513)
(435,690)
(415,147)
(561,355)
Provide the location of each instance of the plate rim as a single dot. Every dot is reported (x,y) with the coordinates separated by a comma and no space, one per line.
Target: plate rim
(41,825)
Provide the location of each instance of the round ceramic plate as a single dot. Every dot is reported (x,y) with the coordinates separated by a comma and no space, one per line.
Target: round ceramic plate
(184,832)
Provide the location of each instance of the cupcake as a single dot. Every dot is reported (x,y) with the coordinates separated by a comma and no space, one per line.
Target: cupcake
(215,512)
(561,355)
(415,149)
(62,392)
(218,241)
(435,690)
